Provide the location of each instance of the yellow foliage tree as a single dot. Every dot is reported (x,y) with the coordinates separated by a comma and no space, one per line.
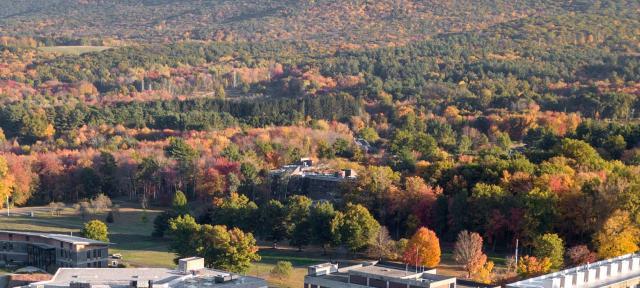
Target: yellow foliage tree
(618,236)
(530,266)
(6,181)
(423,249)
(485,273)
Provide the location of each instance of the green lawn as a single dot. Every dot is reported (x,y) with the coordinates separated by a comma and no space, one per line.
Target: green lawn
(129,233)
(74,50)
(131,238)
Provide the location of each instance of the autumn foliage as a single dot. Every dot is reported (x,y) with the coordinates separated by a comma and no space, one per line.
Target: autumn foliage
(423,249)
(468,252)
(530,266)
(618,236)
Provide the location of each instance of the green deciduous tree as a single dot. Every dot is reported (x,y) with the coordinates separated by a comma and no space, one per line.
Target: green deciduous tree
(550,246)
(321,215)
(354,228)
(183,231)
(273,222)
(179,203)
(282,269)
(227,249)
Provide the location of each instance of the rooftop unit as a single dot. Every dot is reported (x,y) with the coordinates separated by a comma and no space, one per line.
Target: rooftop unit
(322,269)
(190,265)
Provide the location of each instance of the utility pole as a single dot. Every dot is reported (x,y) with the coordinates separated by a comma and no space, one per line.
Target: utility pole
(8,211)
(517,254)
(417,255)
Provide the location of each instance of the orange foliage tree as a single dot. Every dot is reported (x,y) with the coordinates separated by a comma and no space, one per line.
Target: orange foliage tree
(423,249)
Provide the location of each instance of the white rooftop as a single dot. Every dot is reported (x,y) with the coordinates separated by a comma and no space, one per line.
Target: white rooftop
(599,274)
(161,277)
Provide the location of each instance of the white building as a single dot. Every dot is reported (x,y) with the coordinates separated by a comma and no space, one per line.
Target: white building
(622,272)
(379,275)
(190,274)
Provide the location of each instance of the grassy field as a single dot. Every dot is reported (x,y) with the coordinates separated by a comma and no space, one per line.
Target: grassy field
(131,237)
(74,50)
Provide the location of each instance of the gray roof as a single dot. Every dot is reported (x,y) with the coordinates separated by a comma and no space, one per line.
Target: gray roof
(384,271)
(161,277)
(59,237)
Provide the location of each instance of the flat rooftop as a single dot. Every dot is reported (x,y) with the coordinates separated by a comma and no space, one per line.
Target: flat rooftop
(381,270)
(161,277)
(384,271)
(59,237)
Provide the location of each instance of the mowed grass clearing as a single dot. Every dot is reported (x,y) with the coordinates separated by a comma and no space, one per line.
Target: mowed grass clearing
(73,50)
(129,232)
(131,235)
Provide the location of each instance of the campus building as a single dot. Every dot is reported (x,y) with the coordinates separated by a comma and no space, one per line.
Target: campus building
(378,275)
(51,251)
(620,272)
(191,273)
(315,182)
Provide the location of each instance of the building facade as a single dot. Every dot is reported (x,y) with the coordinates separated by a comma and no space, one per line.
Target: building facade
(620,272)
(51,251)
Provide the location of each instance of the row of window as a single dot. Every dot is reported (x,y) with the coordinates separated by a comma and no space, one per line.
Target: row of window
(95,264)
(97,253)
(6,246)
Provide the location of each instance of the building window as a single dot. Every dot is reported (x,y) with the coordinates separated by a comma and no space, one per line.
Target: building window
(377,283)
(355,279)
(397,285)
(89,254)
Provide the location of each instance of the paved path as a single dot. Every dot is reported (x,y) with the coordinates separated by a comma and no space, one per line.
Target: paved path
(24,211)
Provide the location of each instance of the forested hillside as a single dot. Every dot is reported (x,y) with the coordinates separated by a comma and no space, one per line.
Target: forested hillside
(518,120)
(329,22)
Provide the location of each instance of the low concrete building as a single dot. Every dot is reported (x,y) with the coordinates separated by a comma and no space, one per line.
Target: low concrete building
(317,183)
(620,272)
(51,251)
(374,274)
(190,274)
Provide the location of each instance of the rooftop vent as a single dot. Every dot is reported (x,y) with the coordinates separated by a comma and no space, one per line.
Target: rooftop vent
(189,265)
(322,269)
(223,278)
